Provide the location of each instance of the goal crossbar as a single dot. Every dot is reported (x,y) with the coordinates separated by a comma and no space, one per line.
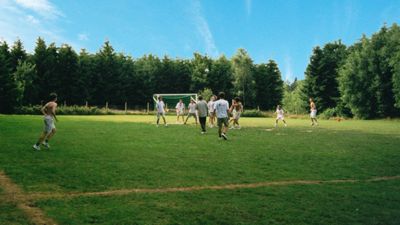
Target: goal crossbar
(174,98)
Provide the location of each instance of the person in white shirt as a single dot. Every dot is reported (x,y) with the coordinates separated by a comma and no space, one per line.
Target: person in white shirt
(279,115)
(221,108)
(180,110)
(160,106)
(236,109)
(211,110)
(192,111)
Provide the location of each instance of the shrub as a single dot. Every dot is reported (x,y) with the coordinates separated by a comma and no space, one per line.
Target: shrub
(329,113)
(252,113)
(30,110)
(66,110)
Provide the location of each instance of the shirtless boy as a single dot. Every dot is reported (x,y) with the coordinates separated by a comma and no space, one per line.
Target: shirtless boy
(49,112)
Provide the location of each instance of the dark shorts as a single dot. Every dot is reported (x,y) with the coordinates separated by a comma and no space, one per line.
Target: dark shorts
(223,121)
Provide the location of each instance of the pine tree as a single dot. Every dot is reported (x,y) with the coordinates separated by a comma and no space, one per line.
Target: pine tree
(86,73)
(148,69)
(268,85)
(200,68)
(10,93)
(106,78)
(311,81)
(334,55)
(17,54)
(220,77)
(322,73)
(182,71)
(33,91)
(71,84)
(243,77)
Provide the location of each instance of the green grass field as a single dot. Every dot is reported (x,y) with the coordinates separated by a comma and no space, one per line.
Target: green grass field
(91,155)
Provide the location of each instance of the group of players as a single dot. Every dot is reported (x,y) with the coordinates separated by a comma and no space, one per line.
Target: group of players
(216,108)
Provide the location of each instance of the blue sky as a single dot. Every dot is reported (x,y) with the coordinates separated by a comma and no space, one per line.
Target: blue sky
(283,30)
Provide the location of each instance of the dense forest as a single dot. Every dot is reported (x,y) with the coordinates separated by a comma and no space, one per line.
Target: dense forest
(361,80)
(107,76)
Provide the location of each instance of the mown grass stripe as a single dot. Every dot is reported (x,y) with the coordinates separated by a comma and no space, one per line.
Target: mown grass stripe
(40,196)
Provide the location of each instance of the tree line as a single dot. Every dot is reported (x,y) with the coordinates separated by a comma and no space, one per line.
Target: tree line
(108,76)
(361,80)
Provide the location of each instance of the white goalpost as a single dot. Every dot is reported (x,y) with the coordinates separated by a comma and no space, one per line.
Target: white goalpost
(173,99)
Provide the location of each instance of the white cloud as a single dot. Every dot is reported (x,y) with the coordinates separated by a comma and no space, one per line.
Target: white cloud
(204,29)
(288,69)
(248,4)
(42,7)
(345,16)
(18,21)
(83,37)
(31,19)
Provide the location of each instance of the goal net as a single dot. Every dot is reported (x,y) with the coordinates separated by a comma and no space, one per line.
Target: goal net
(171,100)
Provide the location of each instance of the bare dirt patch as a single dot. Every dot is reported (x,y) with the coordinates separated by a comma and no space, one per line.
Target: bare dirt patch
(12,193)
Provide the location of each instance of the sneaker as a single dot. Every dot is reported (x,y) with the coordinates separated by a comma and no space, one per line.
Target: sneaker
(285,125)
(203,132)
(36,147)
(46,145)
(224,136)
(166,125)
(231,128)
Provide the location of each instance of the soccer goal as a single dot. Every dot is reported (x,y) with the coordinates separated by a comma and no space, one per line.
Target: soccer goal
(171,100)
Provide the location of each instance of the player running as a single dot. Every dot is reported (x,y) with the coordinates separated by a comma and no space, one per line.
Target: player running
(222,109)
(313,112)
(49,112)
(236,109)
(160,106)
(180,111)
(279,116)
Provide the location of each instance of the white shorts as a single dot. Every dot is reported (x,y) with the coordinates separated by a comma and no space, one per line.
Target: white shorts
(179,113)
(236,115)
(313,114)
(48,124)
(192,114)
(159,114)
(280,117)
